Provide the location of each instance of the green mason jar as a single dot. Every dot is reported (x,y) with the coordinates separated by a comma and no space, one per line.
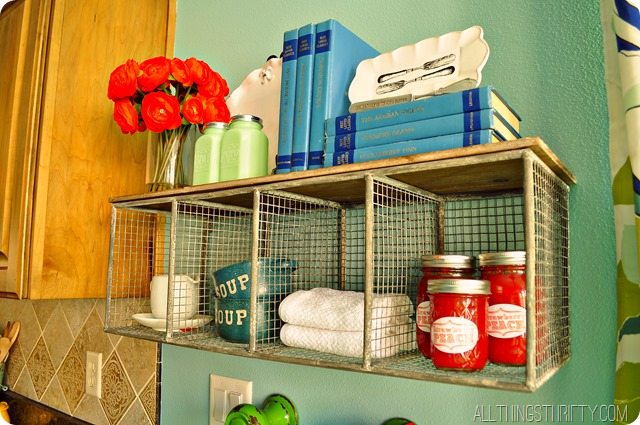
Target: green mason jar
(206,154)
(244,150)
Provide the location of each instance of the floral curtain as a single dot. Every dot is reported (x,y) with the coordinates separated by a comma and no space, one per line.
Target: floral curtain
(621,32)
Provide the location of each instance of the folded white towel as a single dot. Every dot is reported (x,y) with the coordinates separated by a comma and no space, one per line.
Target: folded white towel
(332,309)
(385,342)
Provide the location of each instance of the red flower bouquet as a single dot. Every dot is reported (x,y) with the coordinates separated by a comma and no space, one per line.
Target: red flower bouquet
(167,96)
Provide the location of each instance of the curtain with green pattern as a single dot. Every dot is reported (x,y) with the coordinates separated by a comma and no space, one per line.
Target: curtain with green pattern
(621,31)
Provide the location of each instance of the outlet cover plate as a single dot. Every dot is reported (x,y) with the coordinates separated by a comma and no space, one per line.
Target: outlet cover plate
(223,392)
(93,373)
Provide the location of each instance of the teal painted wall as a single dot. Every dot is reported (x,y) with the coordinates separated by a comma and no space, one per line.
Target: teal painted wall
(546,59)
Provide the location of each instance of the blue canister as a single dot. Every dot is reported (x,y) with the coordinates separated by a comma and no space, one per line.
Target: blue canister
(232,290)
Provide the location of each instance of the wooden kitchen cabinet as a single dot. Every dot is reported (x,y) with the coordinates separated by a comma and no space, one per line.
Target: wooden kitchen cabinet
(61,154)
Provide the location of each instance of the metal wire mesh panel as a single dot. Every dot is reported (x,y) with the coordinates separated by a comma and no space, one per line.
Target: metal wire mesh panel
(208,237)
(298,248)
(405,227)
(491,223)
(134,246)
(551,232)
(160,283)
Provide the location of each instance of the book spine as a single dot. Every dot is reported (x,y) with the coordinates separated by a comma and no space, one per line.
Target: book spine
(302,114)
(410,147)
(321,76)
(432,107)
(287,99)
(439,126)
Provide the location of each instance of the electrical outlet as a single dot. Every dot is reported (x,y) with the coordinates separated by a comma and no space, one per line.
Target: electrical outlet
(224,394)
(93,374)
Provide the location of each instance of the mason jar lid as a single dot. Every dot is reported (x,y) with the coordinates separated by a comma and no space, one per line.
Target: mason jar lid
(455,261)
(216,124)
(459,286)
(508,258)
(246,117)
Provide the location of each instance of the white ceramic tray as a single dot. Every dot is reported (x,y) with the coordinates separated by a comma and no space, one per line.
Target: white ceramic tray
(450,62)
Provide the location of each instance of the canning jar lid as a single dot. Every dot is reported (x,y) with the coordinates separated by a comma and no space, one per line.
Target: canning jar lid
(216,124)
(456,261)
(246,117)
(459,286)
(508,258)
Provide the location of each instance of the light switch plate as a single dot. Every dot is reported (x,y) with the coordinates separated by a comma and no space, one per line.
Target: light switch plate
(224,394)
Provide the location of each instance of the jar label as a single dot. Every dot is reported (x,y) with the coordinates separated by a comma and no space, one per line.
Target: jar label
(423,316)
(507,320)
(454,335)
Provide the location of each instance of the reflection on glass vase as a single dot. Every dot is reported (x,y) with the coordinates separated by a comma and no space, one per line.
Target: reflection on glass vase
(165,168)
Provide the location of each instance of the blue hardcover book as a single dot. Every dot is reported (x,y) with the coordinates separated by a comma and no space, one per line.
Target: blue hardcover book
(302,110)
(431,107)
(458,123)
(412,147)
(338,51)
(287,99)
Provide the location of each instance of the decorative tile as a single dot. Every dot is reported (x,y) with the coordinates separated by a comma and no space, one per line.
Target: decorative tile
(30,330)
(72,378)
(149,400)
(76,312)
(46,342)
(90,410)
(10,310)
(139,358)
(54,397)
(24,386)
(40,368)
(117,393)
(15,365)
(44,309)
(93,338)
(135,415)
(57,336)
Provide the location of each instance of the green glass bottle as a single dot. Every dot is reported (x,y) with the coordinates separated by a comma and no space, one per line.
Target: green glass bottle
(245,149)
(206,154)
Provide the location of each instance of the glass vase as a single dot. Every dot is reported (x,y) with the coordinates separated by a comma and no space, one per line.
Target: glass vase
(165,169)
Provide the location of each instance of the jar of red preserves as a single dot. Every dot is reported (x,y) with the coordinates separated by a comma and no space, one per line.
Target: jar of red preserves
(459,339)
(436,267)
(507,306)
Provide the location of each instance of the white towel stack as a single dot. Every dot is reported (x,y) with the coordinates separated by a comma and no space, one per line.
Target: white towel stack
(332,321)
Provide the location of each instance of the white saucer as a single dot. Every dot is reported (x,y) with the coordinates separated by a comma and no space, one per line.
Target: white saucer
(147,319)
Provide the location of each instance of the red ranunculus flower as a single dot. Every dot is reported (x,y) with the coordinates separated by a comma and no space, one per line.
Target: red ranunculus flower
(161,112)
(216,109)
(123,80)
(126,116)
(193,110)
(215,86)
(180,72)
(155,71)
(199,70)
(163,94)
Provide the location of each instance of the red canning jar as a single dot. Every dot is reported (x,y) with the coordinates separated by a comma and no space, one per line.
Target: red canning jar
(507,306)
(459,339)
(436,267)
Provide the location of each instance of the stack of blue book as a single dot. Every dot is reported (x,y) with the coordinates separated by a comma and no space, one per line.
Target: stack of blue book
(448,121)
(318,63)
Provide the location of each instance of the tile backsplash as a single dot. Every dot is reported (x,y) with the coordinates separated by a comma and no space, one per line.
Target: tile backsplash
(47,362)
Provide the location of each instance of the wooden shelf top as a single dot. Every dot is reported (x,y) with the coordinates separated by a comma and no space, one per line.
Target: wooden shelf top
(492,174)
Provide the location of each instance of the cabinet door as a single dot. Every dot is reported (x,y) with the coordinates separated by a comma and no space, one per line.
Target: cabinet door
(83,158)
(14,33)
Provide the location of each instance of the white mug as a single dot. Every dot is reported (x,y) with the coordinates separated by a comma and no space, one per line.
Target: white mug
(185,296)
